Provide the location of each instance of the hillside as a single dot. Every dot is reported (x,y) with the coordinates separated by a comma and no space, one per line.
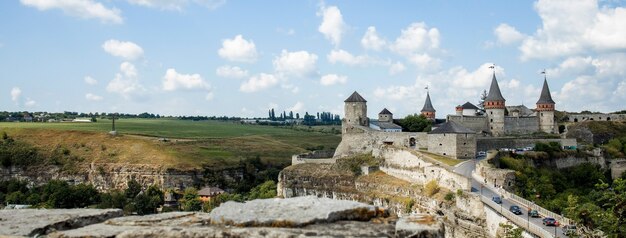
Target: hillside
(596,132)
(188,145)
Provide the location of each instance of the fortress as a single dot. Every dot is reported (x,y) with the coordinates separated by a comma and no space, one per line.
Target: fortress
(458,136)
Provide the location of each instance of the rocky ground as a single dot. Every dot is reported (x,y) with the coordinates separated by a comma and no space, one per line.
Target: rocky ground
(292,217)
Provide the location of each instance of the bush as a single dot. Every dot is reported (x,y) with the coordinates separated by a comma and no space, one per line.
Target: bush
(264,190)
(431,188)
(449,196)
(353,163)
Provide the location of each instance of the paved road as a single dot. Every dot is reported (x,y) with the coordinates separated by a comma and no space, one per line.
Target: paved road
(466,168)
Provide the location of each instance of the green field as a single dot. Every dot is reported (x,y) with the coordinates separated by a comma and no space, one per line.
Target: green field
(191,143)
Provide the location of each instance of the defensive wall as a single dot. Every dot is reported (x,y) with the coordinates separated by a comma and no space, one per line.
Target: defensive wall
(320,157)
(596,117)
(474,123)
(416,167)
(489,143)
(521,125)
(362,140)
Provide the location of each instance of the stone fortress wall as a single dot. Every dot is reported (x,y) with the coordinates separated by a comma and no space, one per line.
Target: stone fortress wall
(596,117)
(521,125)
(475,123)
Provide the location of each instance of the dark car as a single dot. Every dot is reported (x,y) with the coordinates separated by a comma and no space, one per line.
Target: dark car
(569,230)
(515,210)
(497,200)
(549,221)
(533,213)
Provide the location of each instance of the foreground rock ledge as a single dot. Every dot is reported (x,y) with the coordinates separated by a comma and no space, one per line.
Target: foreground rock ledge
(36,222)
(292,212)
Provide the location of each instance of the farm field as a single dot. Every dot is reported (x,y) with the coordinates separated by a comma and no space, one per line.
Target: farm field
(190,144)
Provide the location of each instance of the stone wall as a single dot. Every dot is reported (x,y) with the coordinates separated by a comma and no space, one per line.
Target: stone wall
(323,157)
(618,167)
(596,117)
(489,143)
(362,140)
(487,173)
(521,125)
(466,146)
(442,144)
(475,123)
(417,168)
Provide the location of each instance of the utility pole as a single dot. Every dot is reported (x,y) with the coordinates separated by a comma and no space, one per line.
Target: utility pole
(113,132)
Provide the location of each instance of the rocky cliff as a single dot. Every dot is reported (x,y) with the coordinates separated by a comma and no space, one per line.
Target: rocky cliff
(462,216)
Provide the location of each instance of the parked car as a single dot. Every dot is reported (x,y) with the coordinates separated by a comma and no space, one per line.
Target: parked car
(533,213)
(569,230)
(549,221)
(515,210)
(497,200)
(482,153)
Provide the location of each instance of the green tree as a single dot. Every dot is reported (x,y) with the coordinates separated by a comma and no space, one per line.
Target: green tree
(133,189)
(415,123)
(510,232)
(191,200)
(264,190)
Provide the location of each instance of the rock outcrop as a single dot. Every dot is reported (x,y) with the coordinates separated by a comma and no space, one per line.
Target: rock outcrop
(36,222)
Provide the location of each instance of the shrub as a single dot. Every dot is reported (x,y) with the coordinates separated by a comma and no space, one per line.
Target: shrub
(409,206)
(353,163)
(449,196)
(431,188)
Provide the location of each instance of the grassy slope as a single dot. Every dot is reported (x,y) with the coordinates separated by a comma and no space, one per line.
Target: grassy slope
(192,144)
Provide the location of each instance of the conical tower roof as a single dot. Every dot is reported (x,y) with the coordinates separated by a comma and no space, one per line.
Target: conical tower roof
(355,97)
(428,106)
(546,97)
(385,112)
(494,91)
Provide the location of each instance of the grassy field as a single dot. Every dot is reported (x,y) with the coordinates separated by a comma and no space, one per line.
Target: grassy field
(191,144)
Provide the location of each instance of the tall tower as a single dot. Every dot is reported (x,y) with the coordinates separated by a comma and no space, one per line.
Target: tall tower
(385,116)
(355,110)
(428,110)
(494,107)
(545,109)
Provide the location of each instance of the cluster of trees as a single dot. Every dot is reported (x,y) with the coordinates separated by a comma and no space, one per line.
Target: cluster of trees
(271,115)
(585,193)
(206,118)
(616,147)
(415,123)
(13,152)
(322,118)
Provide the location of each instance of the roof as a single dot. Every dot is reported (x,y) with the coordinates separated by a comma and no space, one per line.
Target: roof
(428,106)
(469,105)
(494,91)
(385,112)
(210,191)
(523,110)
(451,127)
(545,97)
(385,125)
(355,97)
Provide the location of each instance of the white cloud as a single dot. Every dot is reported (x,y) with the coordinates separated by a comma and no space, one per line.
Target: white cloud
(91,81)
(298,63)
(417,37)
(15,94)
(292,88)
(177,5)
(30,102)
(345,57)
(332,79)
(574,27)
(123,49)
(174,81)
(258,83)
(227,71)
(126,82)
(298,107)
(86,9)
(371,40)
(424,61)
(93,97)
(332,26)
(162,4)
(238,49)
(477,79)
(396,68)
(507,35)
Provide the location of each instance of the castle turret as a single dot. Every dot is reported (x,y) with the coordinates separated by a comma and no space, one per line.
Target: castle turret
(494,107)
(459,110)
(355,109)
(545,109)
(428,110)
(385,116)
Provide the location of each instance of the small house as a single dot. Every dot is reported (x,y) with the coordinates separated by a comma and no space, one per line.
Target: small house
(209,192)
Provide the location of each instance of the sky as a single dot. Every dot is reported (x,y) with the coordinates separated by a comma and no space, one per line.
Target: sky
(241,58)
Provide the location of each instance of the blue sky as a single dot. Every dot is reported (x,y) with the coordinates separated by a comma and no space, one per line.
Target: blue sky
(240,58)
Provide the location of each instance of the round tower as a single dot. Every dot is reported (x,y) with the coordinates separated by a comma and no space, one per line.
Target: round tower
(545,110)
(459,110)
(494,108)
(428,110)
(355,109)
